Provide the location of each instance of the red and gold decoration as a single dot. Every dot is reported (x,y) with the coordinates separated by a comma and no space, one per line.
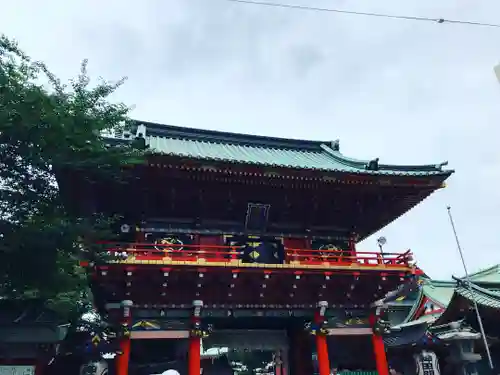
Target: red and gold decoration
(200,330)
(317,329)
(123,331)
(331,250)
(170,243)
(257,249)
(146,325)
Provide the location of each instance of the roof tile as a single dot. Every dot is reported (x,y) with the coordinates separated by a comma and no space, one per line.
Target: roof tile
(479,295)
(323,159)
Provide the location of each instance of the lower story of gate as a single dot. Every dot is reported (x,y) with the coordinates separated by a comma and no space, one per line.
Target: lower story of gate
(200,340)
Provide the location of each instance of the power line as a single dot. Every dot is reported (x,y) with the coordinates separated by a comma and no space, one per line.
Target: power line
(470,290)
(369,14)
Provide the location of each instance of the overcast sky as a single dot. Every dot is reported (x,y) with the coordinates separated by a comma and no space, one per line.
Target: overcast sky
(404,91)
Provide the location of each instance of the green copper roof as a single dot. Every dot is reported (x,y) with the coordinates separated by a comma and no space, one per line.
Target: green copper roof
(485,292)
(488,275)
(267,151)
(473,293)
(479,295)
(440,292)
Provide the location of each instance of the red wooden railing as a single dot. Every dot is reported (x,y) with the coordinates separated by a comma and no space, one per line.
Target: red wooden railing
(216,253)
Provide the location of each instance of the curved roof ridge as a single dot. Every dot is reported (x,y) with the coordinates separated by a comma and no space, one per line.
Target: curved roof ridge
(476,276)
(442,283)
(217,136)
(358,163)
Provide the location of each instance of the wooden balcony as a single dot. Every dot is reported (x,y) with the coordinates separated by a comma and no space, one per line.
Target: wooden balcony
(211,257)
(170,276)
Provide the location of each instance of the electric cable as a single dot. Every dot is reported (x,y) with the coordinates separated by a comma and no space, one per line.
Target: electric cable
(368,14)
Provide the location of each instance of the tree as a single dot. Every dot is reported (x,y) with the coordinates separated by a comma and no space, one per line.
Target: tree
(45,127)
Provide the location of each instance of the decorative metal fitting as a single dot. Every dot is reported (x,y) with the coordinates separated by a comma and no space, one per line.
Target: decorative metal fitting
(323,305)
(197,304)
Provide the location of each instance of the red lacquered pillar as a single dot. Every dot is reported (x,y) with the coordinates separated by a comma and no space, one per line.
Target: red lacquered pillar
(284,362)
(277,363)
(194,354)
(321,343)
(122,360)
(379,348)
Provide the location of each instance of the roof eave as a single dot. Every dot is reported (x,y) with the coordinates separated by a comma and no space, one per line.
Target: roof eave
(408,207)
(442,176)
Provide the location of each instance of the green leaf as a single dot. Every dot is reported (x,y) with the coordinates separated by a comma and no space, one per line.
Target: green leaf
(47,126)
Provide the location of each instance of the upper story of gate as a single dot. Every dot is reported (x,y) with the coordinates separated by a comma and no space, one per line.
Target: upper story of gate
(218,199)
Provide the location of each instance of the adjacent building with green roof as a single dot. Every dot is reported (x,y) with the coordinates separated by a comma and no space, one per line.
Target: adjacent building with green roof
(446,310)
